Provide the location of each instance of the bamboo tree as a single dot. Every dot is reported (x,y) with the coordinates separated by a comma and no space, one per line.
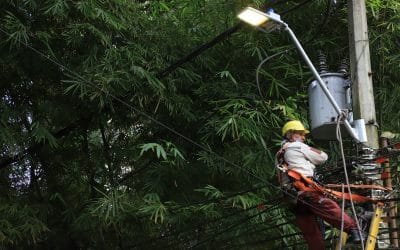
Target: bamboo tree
(98,151)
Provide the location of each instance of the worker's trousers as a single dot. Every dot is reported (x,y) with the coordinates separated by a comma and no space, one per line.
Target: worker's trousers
(311,205)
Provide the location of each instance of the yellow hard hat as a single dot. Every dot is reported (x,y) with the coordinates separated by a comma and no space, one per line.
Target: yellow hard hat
(295,126)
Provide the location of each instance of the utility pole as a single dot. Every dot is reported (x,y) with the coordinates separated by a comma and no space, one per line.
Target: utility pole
(361,74)
(363,95)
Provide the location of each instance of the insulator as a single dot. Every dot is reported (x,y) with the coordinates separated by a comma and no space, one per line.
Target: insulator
(371,169)
(344,67)
(323,67)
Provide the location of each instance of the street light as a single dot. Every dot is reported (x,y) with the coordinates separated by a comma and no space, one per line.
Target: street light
(258,18)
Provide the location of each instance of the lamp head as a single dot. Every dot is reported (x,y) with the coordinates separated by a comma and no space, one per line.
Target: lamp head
(256,18)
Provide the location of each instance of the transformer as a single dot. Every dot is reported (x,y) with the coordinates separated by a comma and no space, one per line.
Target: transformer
(323,117)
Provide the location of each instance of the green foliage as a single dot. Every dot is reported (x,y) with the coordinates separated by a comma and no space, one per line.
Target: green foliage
(155,148)
(245,201)
(42,135)
(240,121)
(21,223)
(384,28)
(56,8)
(210,191)
(110,208)
(17,31)
(91,131)
(162,152)
(154,207)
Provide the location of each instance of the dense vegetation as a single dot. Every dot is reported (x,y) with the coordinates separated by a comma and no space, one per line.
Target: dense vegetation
(101,148)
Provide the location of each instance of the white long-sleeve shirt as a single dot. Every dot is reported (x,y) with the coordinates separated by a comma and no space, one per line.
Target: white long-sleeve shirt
(302,158)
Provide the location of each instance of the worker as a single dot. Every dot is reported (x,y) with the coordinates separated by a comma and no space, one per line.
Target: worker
(298,156)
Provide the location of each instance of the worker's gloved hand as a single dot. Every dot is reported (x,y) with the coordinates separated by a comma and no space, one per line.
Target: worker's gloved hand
(356,237)
(317,178)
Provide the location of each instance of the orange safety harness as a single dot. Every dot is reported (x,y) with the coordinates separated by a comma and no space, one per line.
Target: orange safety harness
(306,184)
(303,183)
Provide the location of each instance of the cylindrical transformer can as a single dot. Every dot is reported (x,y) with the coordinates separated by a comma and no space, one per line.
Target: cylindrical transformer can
(323,116)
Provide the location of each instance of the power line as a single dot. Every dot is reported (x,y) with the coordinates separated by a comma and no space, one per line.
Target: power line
(198,225)
(255,231)
(215,232)
(270,209)
(266,240)
(173,209)
(226,230)
(221,198)
(323,23)
(198,51)
(296,7)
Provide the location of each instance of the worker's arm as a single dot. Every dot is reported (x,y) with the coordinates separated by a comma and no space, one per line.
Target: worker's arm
(314,155)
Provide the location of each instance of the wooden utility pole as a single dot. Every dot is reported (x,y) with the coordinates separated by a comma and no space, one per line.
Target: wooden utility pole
(361,74)
(362,90)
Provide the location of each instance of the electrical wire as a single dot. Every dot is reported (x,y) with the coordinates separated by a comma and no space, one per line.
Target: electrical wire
(236,224)
(287,50)
(266,221)
(246,244)
(260,230)
(200,225)
(270,220)
(207,201)
(341,219)
(296,7)
(259,67)
(225,230)
(259,226)
(296,244)
(204,202)
(198,51)
(263,229)
(274,206)
(339,138)
(323,23)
